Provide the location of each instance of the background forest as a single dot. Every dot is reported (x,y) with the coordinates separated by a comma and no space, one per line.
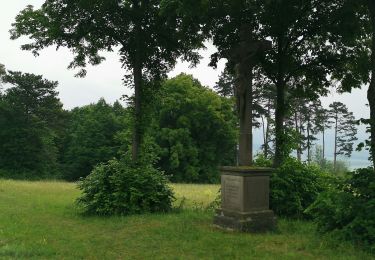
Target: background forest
(192,130)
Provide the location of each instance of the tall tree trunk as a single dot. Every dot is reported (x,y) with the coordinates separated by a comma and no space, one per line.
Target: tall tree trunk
(280,111)
(137,131)
(308,142)
(324,144)
(138,80)
(335,150)
(279,124)
(268,127)
(299,153)
(371,89)
(266,149)
(264,137)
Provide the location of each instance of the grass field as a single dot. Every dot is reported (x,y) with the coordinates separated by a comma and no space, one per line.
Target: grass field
(38,220)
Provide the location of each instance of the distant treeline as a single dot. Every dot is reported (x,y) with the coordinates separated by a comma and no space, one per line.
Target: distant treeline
(190,129)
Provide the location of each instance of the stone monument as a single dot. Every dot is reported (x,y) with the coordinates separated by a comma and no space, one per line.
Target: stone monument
(245,189)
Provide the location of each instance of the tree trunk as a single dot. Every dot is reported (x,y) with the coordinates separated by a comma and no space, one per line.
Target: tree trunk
(324,144)
(137,131)
(308,142)
(264,137)
(335,150)
(299,153)
(266,148)
(280,111)
(268,127)
(138,79)
(371,89)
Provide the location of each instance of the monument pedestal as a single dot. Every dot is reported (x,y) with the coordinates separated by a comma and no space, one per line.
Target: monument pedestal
(245,200)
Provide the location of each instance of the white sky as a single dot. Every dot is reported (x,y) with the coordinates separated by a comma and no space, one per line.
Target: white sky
(105,80)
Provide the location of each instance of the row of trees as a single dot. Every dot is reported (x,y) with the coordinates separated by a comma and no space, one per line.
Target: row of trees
(190,129)
(306,122)
(299,48)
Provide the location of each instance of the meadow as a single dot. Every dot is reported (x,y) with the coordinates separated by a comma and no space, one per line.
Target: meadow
(39,220)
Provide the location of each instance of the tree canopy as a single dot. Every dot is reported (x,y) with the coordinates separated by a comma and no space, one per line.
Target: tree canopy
(30,116)
(195,130)
(146,34)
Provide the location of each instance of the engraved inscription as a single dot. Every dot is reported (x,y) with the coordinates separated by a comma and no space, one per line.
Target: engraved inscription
(232,193)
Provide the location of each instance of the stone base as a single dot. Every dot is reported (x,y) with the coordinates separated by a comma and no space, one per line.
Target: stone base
(254,222)
(245,200)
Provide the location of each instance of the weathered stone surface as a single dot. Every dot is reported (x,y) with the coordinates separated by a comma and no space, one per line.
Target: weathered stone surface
(254,222)
(245,200)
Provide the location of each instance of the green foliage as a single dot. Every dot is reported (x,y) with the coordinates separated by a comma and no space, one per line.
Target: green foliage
(348,209)
(328,166)
(147,31)
(2,73)
(91,138)
(294,187)
(195,130)
(31,119)
(148,36)
(261,161)
(124,187)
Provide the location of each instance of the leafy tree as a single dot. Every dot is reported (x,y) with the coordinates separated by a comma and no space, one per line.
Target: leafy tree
(30,116)
(147,35)
(195,130)
(371,90)
(352,35)
(345,130)
(366,143)
(300,60)
(91,138)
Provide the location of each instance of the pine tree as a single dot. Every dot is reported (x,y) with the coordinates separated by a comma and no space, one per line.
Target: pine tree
(322,123)
(345,130)
(225,86)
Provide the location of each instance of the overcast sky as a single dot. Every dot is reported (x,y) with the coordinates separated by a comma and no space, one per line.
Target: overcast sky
(105,80)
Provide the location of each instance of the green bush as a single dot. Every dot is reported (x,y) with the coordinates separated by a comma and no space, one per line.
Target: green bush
(124,187)
(348,209)
(294,187)
(261,161)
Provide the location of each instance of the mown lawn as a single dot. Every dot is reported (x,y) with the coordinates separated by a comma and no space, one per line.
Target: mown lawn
(38,220)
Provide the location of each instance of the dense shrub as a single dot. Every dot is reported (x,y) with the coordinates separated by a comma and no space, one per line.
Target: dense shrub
(348,209)
(294,187)
(124,187)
